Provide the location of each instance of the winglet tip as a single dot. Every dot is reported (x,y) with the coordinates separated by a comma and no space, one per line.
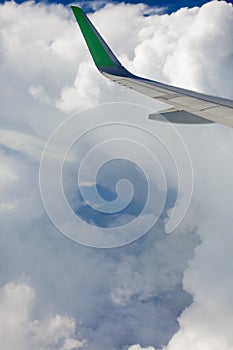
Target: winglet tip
(76,10)
(101,53)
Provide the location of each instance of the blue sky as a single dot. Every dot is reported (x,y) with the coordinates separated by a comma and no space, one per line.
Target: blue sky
(168,4)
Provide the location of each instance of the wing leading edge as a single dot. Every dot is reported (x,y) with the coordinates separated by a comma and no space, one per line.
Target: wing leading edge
(187,107)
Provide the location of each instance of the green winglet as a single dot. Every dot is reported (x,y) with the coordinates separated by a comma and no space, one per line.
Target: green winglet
(99,50)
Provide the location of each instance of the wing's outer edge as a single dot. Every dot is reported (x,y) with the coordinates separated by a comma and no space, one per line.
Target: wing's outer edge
(100,51)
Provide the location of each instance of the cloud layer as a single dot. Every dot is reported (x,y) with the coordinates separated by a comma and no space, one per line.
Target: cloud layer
(19,330)
(133,295)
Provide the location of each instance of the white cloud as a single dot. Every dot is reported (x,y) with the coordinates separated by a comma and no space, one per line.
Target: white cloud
(132,295)
(19,330)
(138,347)
(86,87)
(38,93)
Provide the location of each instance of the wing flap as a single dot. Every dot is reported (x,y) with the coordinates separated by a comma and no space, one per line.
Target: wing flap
(178,117)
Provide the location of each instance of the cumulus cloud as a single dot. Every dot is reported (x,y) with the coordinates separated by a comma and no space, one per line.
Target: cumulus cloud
(20,330)
(133,295)
(138,347)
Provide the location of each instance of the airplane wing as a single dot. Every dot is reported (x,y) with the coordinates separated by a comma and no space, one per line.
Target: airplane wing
(187,107)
